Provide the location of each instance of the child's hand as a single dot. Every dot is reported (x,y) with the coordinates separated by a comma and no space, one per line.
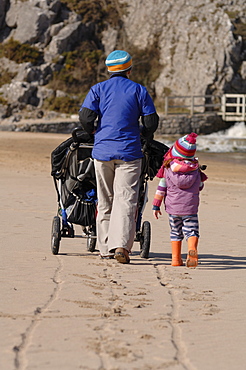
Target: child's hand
(156,213)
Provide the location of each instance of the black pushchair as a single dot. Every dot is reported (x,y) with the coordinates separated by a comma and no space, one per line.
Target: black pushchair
(74,178)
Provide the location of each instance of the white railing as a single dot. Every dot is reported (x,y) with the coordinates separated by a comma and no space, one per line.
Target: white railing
(231,107)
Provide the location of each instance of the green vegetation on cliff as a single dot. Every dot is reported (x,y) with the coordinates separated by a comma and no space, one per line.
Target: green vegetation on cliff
(21,53)
(79,71)
(99,12)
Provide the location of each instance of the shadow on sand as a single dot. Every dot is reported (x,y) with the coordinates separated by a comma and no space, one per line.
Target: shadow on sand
(209,261)
(206,261)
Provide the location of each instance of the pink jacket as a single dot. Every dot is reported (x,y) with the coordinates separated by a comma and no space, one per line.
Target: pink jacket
(180,187)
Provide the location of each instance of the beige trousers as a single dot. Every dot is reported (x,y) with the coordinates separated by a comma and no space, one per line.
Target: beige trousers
(117,192)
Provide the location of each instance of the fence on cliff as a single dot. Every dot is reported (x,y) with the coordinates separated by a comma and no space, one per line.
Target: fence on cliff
(231,107)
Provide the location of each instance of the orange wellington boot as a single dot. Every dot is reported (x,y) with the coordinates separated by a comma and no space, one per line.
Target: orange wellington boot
(176,253)
(192,256)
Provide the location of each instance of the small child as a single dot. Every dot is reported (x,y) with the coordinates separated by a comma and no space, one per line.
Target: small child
(181,181)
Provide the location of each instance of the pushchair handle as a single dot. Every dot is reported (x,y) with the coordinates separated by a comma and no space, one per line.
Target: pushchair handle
(74,134)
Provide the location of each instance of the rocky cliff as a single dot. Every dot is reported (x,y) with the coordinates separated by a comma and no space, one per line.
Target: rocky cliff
(200,49)
(52,51)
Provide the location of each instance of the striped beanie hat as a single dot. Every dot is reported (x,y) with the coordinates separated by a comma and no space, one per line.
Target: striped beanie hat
(118,61)
(185,147)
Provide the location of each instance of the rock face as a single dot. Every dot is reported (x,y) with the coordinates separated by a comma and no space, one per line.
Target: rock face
(200,51)
(30,21)
(3,5)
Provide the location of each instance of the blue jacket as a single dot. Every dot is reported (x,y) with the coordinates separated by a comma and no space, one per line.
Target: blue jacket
(118,103)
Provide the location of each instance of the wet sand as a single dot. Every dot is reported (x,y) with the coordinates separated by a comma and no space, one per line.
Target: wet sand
(74,311)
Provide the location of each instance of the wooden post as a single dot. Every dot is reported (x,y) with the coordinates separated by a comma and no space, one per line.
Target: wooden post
(166,105)
(238,105)
(223,107)
(243,107)
(192,106)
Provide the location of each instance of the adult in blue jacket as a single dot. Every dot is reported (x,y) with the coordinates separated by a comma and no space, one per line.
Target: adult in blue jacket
(117,104)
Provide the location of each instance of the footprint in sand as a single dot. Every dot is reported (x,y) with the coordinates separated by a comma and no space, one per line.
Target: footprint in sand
(210,309)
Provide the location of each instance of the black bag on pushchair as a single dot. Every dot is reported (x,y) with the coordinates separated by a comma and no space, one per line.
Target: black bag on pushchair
(154,152)
(58,155)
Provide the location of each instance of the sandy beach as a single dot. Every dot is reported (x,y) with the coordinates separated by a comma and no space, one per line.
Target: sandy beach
(74,311)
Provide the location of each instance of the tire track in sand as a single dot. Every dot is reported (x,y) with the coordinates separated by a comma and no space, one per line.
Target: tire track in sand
(176,338)
(20,360)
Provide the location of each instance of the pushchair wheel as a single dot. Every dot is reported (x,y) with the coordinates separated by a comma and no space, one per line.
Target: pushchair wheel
(55,235)
(91,240)
(145,240)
